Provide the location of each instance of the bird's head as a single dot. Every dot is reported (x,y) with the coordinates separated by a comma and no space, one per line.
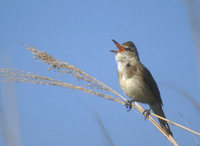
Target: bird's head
(125,52)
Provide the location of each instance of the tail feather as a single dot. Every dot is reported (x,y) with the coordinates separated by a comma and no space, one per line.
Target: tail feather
(157,109)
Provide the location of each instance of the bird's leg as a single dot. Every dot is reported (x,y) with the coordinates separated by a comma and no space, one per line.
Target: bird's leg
(146,113)
(128,104)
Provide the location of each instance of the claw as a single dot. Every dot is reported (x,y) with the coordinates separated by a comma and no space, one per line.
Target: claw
(128,104)
(146,113)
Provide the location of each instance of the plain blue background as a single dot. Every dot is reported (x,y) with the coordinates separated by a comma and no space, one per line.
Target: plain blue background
(80,32)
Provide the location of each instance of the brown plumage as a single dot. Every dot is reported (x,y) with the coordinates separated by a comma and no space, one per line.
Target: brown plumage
(136,80)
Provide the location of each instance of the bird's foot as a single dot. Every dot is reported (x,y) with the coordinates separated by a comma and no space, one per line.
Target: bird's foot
(146,113)
(128,104)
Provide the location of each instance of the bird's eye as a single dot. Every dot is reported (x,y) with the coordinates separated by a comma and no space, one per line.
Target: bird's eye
(128,49)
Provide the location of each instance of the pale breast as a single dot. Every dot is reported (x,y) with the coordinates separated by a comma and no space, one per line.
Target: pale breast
(136,89)
(132,81)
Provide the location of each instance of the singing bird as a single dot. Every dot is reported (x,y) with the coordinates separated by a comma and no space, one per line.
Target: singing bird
(136,80)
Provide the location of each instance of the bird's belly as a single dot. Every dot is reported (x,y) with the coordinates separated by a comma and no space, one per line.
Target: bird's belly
(136,89)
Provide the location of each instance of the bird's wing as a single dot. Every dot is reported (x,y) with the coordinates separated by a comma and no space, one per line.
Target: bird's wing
(148,78)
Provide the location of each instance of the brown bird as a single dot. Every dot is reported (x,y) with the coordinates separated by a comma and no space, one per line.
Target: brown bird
(136,80)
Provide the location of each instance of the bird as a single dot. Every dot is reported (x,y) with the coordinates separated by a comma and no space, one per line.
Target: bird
(137,82)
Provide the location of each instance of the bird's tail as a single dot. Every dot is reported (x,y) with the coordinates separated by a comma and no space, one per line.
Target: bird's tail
(157,109)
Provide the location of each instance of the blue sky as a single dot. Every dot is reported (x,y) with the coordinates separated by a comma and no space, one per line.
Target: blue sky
(80,32)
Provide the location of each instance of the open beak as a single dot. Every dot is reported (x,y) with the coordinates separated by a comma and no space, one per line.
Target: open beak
(120,48)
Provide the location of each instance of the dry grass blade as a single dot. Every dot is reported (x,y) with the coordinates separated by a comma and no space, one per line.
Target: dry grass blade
(28,77)
(169,137)
(176,124)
